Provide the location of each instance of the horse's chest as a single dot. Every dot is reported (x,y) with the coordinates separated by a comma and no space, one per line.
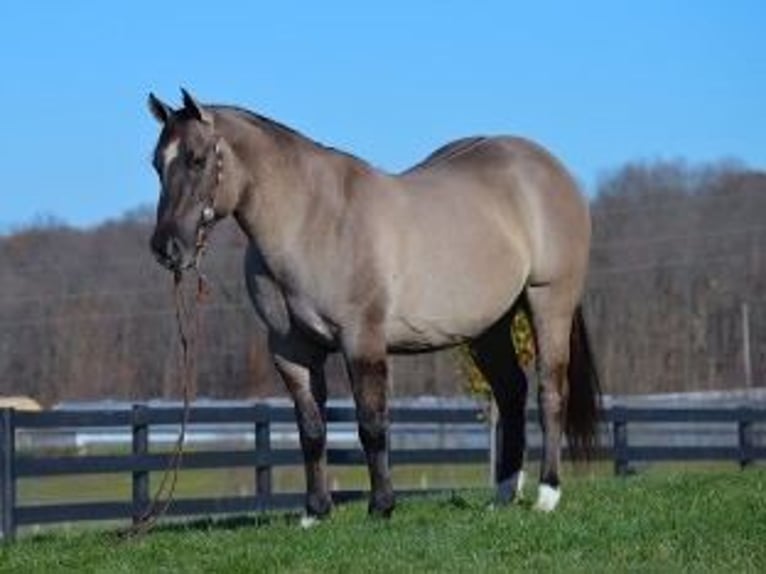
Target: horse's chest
(283,310)
(305,315)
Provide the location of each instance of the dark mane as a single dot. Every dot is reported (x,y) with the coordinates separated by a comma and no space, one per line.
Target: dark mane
(279,130)
(267,124)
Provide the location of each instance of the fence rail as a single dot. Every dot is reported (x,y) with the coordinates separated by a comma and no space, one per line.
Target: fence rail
(263,458)
(745,451)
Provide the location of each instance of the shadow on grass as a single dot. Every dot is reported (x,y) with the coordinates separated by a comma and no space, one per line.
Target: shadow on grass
(226,523)
(460,500)
(472,500)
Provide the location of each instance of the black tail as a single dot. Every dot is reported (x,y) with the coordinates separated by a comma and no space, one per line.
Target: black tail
(584,402)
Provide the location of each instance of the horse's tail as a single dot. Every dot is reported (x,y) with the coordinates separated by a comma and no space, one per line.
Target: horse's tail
(584,401)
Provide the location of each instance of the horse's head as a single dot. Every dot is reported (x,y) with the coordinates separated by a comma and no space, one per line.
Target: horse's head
(192,160)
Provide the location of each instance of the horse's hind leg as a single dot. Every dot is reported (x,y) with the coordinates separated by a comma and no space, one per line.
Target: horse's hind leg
(301,366)
(496,358)
(552,308)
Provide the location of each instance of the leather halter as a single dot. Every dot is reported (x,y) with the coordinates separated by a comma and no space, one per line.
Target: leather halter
(208,216)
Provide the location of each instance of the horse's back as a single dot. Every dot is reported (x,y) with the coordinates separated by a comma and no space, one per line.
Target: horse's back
(476,222)
(526,186)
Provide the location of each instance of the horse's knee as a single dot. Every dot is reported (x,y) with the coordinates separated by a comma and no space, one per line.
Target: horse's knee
(554,391)
(373,427)
(313,436)
(370,393)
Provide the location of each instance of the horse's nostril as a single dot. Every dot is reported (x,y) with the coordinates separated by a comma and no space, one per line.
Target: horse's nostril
(173,249)
(167,249)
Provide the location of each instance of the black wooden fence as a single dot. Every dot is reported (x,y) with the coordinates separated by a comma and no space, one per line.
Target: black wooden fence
(263,458)
(745,450)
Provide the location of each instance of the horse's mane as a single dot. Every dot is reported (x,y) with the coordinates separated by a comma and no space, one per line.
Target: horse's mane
(264,123)
(279,130)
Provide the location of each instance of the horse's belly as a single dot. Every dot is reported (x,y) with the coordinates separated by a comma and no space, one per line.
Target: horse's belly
(412,334)
(454,302)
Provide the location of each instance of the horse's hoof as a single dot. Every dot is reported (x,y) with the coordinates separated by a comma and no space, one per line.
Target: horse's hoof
(510,490)
(382,506)
(308,521)
(318,506)
(380,512)
(547,498)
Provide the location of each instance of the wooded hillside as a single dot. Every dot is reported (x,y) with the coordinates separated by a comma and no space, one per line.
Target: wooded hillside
(679,256)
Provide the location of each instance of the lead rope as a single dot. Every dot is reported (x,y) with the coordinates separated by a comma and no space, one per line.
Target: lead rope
(188,338)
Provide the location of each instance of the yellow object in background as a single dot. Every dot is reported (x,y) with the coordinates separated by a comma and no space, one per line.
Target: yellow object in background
(523,339)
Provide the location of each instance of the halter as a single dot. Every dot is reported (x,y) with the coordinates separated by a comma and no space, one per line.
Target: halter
(208,212)
(208,215)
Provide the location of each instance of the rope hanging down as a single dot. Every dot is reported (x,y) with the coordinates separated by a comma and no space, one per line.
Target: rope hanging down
(188,330)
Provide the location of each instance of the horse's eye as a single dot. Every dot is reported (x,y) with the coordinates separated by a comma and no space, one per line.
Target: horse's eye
(195,161)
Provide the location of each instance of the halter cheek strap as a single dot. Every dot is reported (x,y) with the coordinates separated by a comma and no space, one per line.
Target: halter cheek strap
(208,212)
(218,162)
(208,215)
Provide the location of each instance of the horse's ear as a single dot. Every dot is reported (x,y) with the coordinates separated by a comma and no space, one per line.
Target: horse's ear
(197,111)
(159,109)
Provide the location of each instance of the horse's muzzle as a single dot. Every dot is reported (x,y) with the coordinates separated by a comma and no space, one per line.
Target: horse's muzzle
(170,252)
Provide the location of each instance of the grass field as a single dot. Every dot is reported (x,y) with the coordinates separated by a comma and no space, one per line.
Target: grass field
(240,482)
(678,522)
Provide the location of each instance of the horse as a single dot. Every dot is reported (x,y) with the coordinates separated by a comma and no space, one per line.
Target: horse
(344,257)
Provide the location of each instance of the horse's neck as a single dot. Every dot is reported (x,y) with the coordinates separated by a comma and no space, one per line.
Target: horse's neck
(290,189)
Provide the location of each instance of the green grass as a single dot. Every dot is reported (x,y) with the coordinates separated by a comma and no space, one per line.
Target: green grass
(678,522)
(239,482)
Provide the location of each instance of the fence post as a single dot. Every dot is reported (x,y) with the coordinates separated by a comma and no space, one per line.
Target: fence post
(263,455)
(745,437)
(620,441)
(140,447)
(8,474)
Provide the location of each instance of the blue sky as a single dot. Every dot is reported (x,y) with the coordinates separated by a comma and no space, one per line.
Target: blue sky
(599,83)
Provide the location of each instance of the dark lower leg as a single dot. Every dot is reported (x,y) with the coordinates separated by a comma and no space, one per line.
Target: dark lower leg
(552,317)
(552,399)
(313,433)
(370,385)
(511,451)
(495,357)
(305,381)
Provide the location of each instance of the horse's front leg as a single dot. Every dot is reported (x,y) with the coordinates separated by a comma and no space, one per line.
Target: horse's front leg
(301,367)
(368,368)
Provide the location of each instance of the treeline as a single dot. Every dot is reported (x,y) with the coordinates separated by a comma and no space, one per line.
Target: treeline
(678,262)
(91,315)
(678,277)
